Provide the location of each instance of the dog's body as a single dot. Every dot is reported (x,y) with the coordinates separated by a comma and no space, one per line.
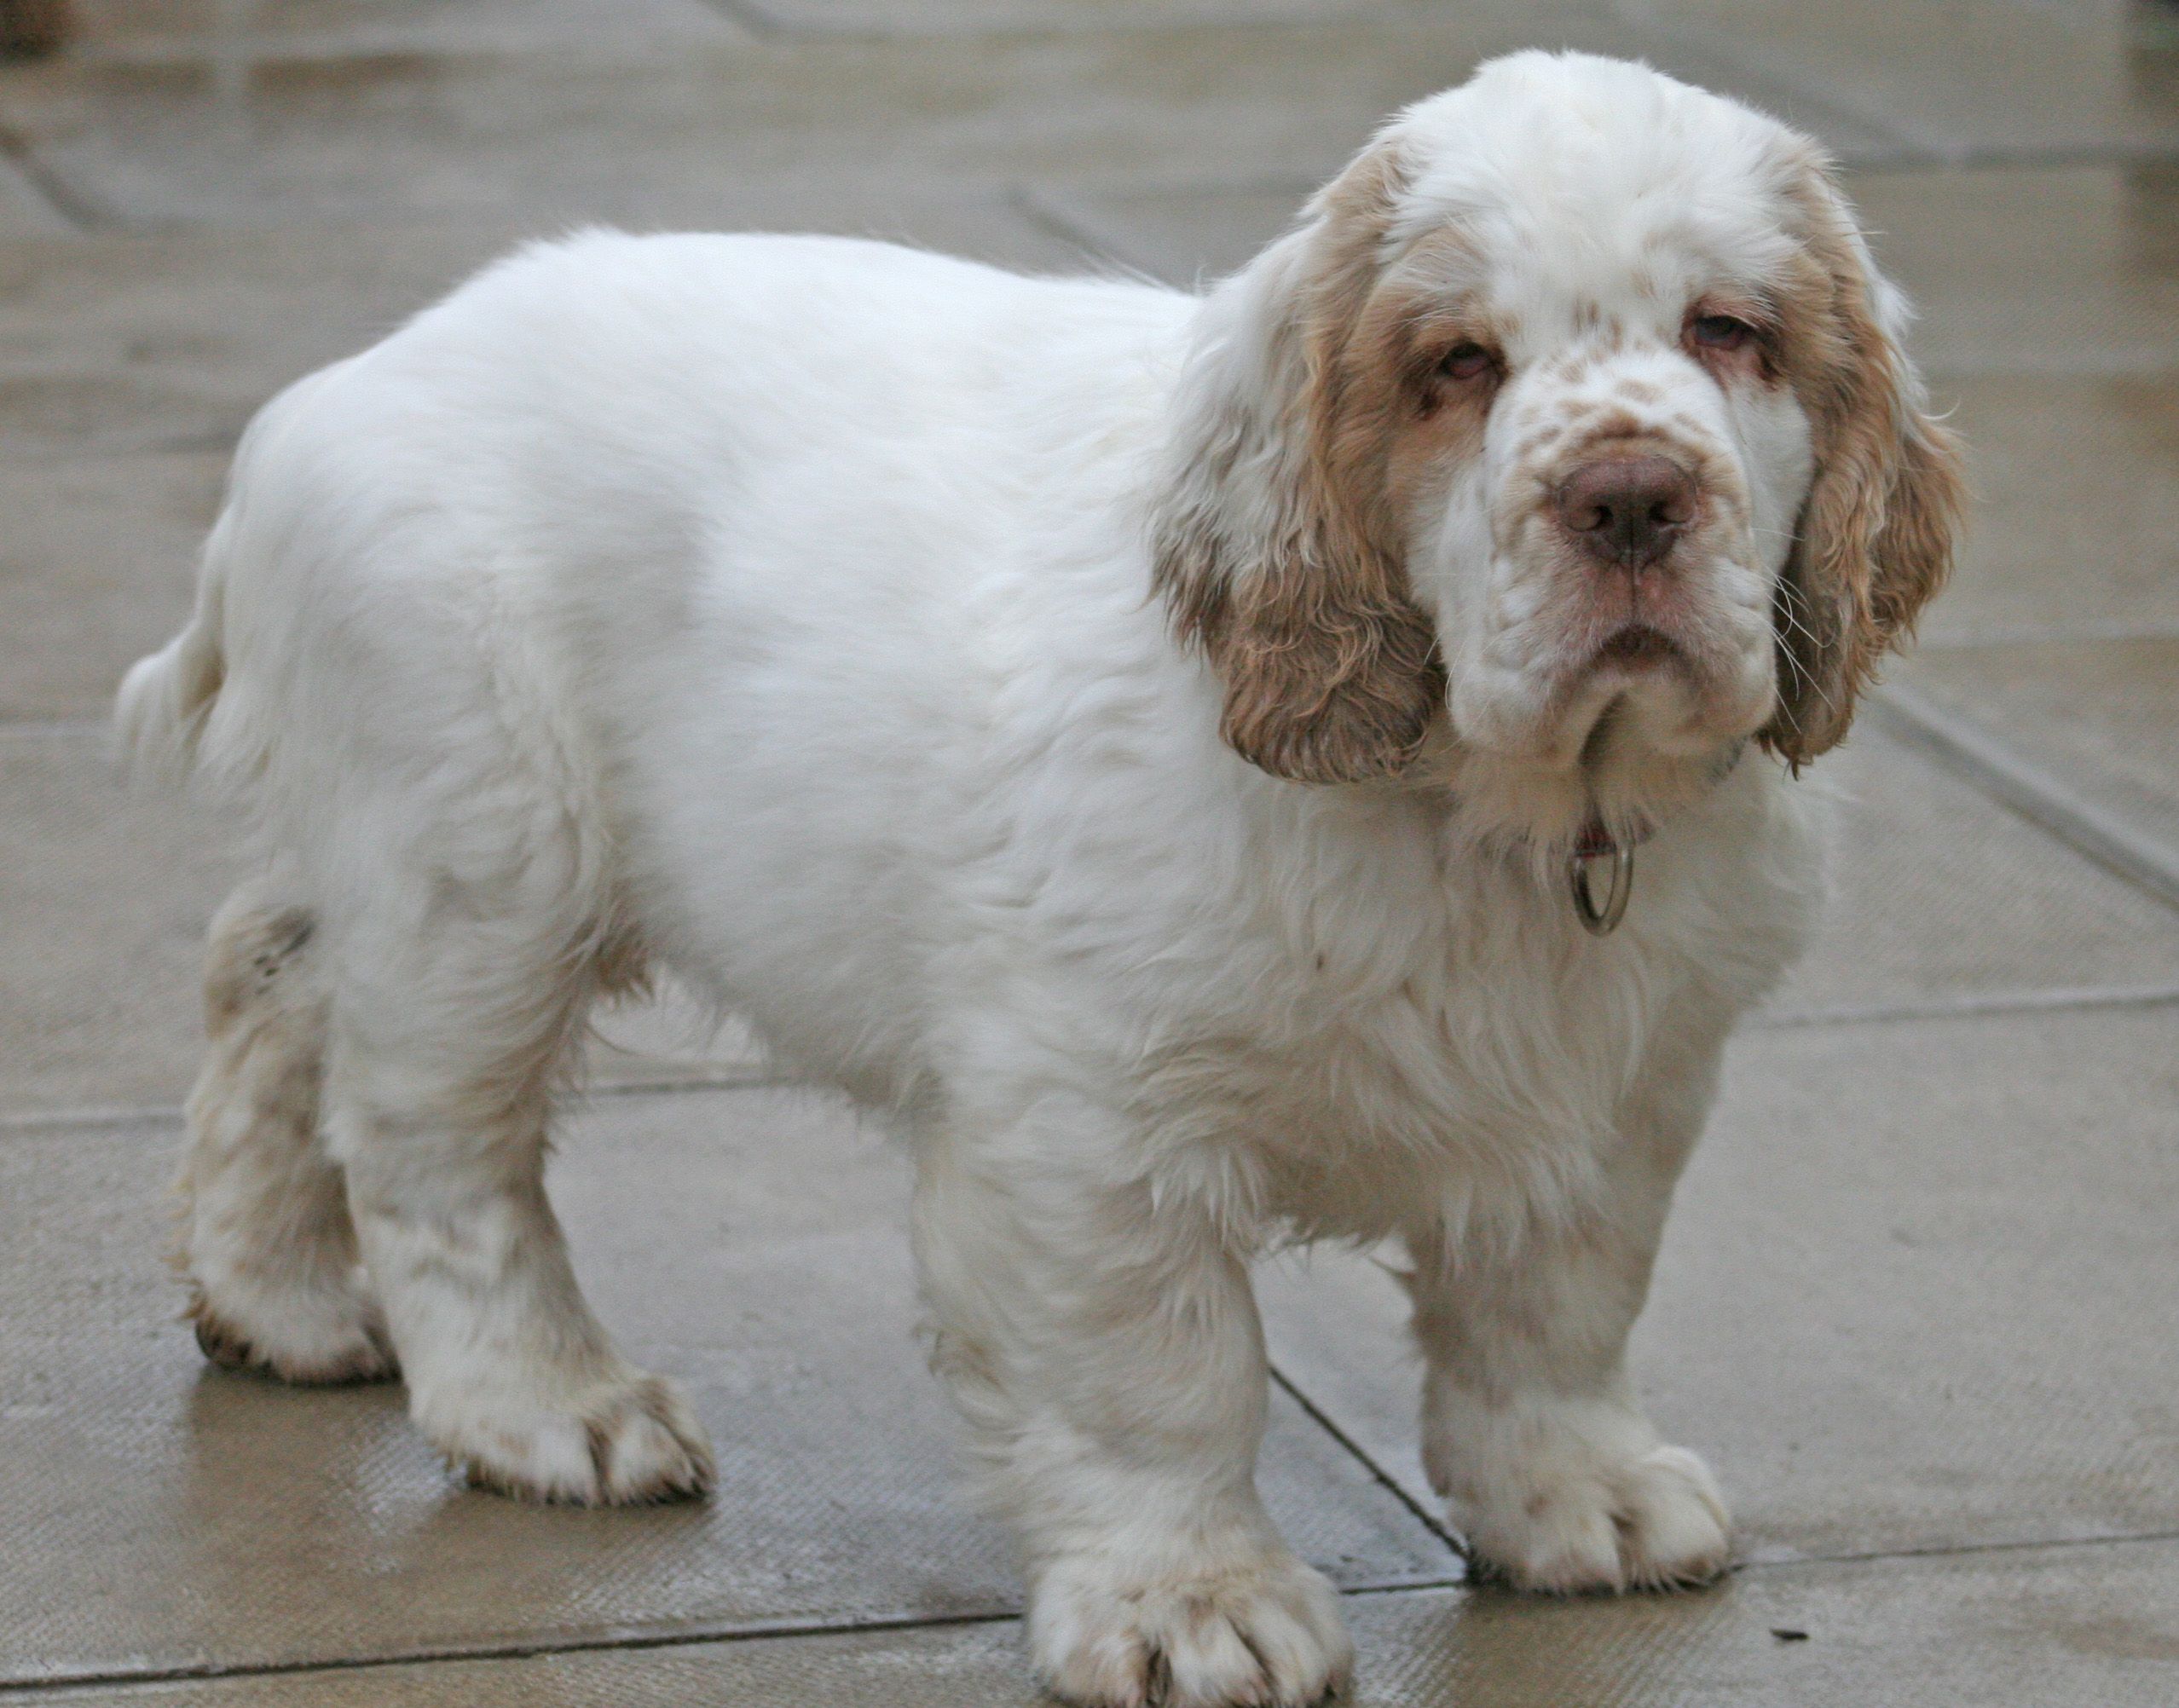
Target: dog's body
(780,611)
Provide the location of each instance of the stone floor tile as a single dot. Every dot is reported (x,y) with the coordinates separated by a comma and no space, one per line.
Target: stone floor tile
(2087,1627)
(897,18)
(97,567)
(2101,716)
(2060,1628)
(1962,77)
(24,210)
(104,897)
(1915,1294)
(1185,234)
(159,1514)
(1513,24)
(293,28)
(104,892)
(171,341)
(2075,524)
(1938,895)
(2069,270)
(571,138)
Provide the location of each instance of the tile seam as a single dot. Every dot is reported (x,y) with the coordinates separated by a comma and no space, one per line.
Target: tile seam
(1965,1550)
(1385,1479)
(79,215)
(2120,633)
(170,1114)
(1968,1006)
(1048,214)
(697,1634)
(1787,72)
(627,1638)
(1991,766)
(751,15)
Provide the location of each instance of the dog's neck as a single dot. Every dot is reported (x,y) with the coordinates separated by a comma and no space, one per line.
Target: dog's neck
(1542,816)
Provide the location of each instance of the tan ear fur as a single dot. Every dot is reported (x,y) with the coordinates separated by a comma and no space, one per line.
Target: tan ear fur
(1875,540)
(1275,548)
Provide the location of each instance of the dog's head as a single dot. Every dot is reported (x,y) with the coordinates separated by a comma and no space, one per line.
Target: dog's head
(1571,422)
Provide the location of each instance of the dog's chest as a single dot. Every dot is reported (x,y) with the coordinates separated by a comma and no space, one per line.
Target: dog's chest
(1460,1061)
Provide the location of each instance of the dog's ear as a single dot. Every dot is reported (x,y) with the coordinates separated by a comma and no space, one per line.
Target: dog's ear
(1874,538)
(1272,546)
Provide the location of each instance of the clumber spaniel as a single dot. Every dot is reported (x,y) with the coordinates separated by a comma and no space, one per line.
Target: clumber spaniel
(1182,758)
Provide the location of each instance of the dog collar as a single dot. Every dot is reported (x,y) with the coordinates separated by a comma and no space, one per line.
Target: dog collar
(1596,849)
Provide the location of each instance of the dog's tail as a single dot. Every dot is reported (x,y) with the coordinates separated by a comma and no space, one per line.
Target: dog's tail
(164,700)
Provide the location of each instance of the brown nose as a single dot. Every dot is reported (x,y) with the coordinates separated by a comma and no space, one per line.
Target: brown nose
(1627,510)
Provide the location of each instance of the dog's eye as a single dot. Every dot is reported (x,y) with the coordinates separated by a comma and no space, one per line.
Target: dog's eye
(1720,332)
(1467,361)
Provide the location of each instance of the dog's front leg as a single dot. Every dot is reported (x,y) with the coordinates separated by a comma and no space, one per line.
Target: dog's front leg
(1531,1430)
(1103,1341)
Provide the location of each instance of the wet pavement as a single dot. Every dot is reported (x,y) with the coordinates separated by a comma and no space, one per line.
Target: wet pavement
(1916,1305)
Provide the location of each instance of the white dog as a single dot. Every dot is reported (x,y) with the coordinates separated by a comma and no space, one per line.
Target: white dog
(1182,757)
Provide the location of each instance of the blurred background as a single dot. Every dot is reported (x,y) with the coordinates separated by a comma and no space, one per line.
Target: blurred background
(1916,1305)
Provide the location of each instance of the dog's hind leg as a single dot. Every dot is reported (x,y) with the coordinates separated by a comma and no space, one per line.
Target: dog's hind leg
(455,1003)
(264,1239)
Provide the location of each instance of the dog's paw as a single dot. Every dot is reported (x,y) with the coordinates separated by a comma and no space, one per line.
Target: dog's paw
(1264,1631)
(621,1443)
(1574,1516)
(311,1336)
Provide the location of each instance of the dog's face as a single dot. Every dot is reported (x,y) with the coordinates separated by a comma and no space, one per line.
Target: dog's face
(1570,423)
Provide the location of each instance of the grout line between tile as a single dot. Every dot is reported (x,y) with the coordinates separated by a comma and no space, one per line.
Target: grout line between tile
(168,1114)
(1962,1550)
(2029,790)
(31,727)
(1048,216)
(632,1638)
(751,15)
(629,1639)
(1875,1556)
(79,214)
(73,1120)
(1316,1415)
(696,1634)
(1914,145)
(1969,1006)
(1995,157)
(1787,72)
(2046,634)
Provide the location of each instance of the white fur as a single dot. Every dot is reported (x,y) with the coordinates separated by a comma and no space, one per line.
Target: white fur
(777,609)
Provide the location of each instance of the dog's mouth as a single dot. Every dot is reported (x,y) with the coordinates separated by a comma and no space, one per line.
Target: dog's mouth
(1641,647)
